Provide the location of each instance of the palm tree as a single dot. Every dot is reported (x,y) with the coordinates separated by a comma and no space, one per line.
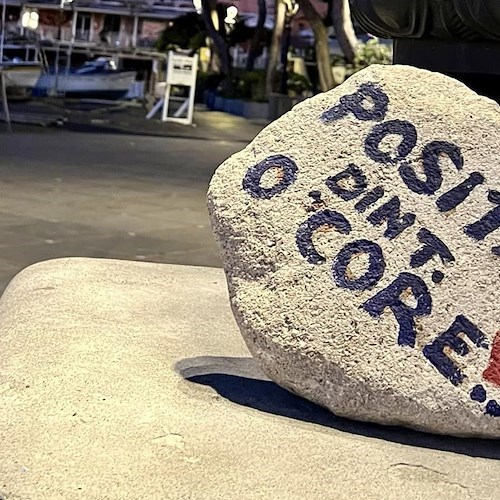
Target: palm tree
(321,44)
(257,36)
(209,13)
(276,41)
(342,23)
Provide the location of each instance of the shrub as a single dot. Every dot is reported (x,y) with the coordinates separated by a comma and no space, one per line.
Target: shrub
(372,52)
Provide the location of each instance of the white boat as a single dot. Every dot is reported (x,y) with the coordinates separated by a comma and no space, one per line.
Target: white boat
(98,78)
(21,75)
(21,66)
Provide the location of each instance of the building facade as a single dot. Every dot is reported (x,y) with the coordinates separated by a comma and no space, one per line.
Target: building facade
(120,24)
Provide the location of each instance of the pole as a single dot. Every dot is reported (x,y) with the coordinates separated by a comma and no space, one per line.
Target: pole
(2,37)
(284,54)
(73,26)
(134,32)
(5,103)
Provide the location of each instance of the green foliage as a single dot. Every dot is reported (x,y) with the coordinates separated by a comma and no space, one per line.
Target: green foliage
(255,84)
(246,85)
(208,80)
(372,52)
(240,33)
(337,60)
(298,83)
(185,32)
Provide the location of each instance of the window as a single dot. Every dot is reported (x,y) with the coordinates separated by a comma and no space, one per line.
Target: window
(83,22)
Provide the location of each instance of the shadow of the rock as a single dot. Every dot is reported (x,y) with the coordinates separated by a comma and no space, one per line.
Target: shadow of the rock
(241,381)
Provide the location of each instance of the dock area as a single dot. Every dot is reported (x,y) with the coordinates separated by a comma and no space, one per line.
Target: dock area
(124,117)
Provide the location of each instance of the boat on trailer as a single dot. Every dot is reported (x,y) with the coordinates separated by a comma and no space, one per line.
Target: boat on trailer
(99,79)
(21,68)
(22,75)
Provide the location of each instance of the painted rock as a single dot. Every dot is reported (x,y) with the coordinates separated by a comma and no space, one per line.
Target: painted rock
(360,239)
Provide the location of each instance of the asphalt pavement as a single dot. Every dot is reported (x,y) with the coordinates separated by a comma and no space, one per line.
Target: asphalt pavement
(109,183)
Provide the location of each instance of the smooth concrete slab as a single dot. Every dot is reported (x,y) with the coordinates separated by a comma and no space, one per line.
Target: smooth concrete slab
(130,380)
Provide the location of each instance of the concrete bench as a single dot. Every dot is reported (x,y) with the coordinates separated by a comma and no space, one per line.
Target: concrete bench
(130,380)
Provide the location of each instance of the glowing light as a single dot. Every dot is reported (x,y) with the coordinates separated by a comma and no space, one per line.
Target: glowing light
(232,11)
(29,19)
(231,14)
(197,6)
(292,7)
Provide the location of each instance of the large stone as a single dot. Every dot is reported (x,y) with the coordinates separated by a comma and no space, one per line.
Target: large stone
(360,239)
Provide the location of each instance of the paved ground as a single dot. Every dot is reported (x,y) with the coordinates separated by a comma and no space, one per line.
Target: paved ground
(134,387)
(121,187)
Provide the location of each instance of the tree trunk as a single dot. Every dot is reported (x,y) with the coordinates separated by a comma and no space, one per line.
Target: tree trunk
(219,43)
(257,36)
(342,22)
(321,44)
(275,49)
(214,58)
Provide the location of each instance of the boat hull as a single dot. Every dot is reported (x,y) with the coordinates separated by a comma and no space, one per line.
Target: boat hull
(105,85)
(23,76)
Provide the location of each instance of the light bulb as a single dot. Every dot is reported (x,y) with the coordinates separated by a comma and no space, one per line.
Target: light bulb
(232,12)
(30,19)
(25,20)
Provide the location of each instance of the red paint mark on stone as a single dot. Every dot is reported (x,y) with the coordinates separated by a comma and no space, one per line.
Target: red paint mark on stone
(492,373)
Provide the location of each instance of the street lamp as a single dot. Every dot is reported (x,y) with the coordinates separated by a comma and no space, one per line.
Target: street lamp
(291,8)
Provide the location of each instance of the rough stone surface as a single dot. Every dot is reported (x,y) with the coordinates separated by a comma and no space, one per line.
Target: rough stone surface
(360,238)
(125,380)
